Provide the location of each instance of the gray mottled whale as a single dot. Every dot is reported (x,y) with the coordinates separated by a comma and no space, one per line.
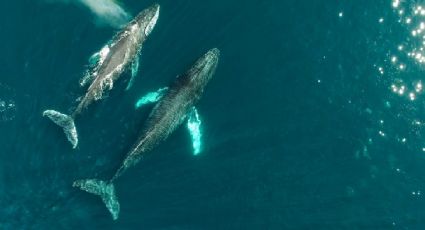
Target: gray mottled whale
(172,108)
(107,65)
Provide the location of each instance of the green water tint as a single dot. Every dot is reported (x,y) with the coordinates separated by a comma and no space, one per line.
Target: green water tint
(151,97)
(194,126)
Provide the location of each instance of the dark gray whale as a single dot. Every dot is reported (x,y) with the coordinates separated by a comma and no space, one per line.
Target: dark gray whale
(108,65)
(170,111)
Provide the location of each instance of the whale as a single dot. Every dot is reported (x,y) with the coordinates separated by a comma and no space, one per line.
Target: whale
(173,107)
(107,65)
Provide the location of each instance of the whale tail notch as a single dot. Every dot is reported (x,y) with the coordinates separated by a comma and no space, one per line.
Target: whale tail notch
(105,190)
(66,122)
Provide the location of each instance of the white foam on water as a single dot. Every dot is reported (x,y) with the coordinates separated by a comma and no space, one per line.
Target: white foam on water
(7,103)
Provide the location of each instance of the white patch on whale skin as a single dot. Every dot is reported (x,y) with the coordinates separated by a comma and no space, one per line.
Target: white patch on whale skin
(107,83)
(103,53)
(134,28)
(95,61)
(152,23)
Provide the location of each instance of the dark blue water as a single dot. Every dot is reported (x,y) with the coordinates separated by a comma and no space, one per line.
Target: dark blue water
(313,120)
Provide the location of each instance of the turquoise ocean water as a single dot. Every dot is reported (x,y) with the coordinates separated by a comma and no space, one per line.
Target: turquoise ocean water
(314,118)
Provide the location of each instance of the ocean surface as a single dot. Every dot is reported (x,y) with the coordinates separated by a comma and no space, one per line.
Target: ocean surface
(314,118)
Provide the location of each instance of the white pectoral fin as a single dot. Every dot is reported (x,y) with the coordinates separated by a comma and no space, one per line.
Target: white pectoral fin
(134,72)
(194,127)
(151,97)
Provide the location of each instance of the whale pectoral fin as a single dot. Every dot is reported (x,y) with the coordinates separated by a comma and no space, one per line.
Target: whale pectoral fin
(151,97)
(134,71)
(194,127)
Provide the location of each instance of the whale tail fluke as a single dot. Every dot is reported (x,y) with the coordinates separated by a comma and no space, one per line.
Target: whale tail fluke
(66,122)
(105,190)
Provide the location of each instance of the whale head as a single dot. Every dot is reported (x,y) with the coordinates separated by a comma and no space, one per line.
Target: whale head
(206,66)
(198,76)
(146,20)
